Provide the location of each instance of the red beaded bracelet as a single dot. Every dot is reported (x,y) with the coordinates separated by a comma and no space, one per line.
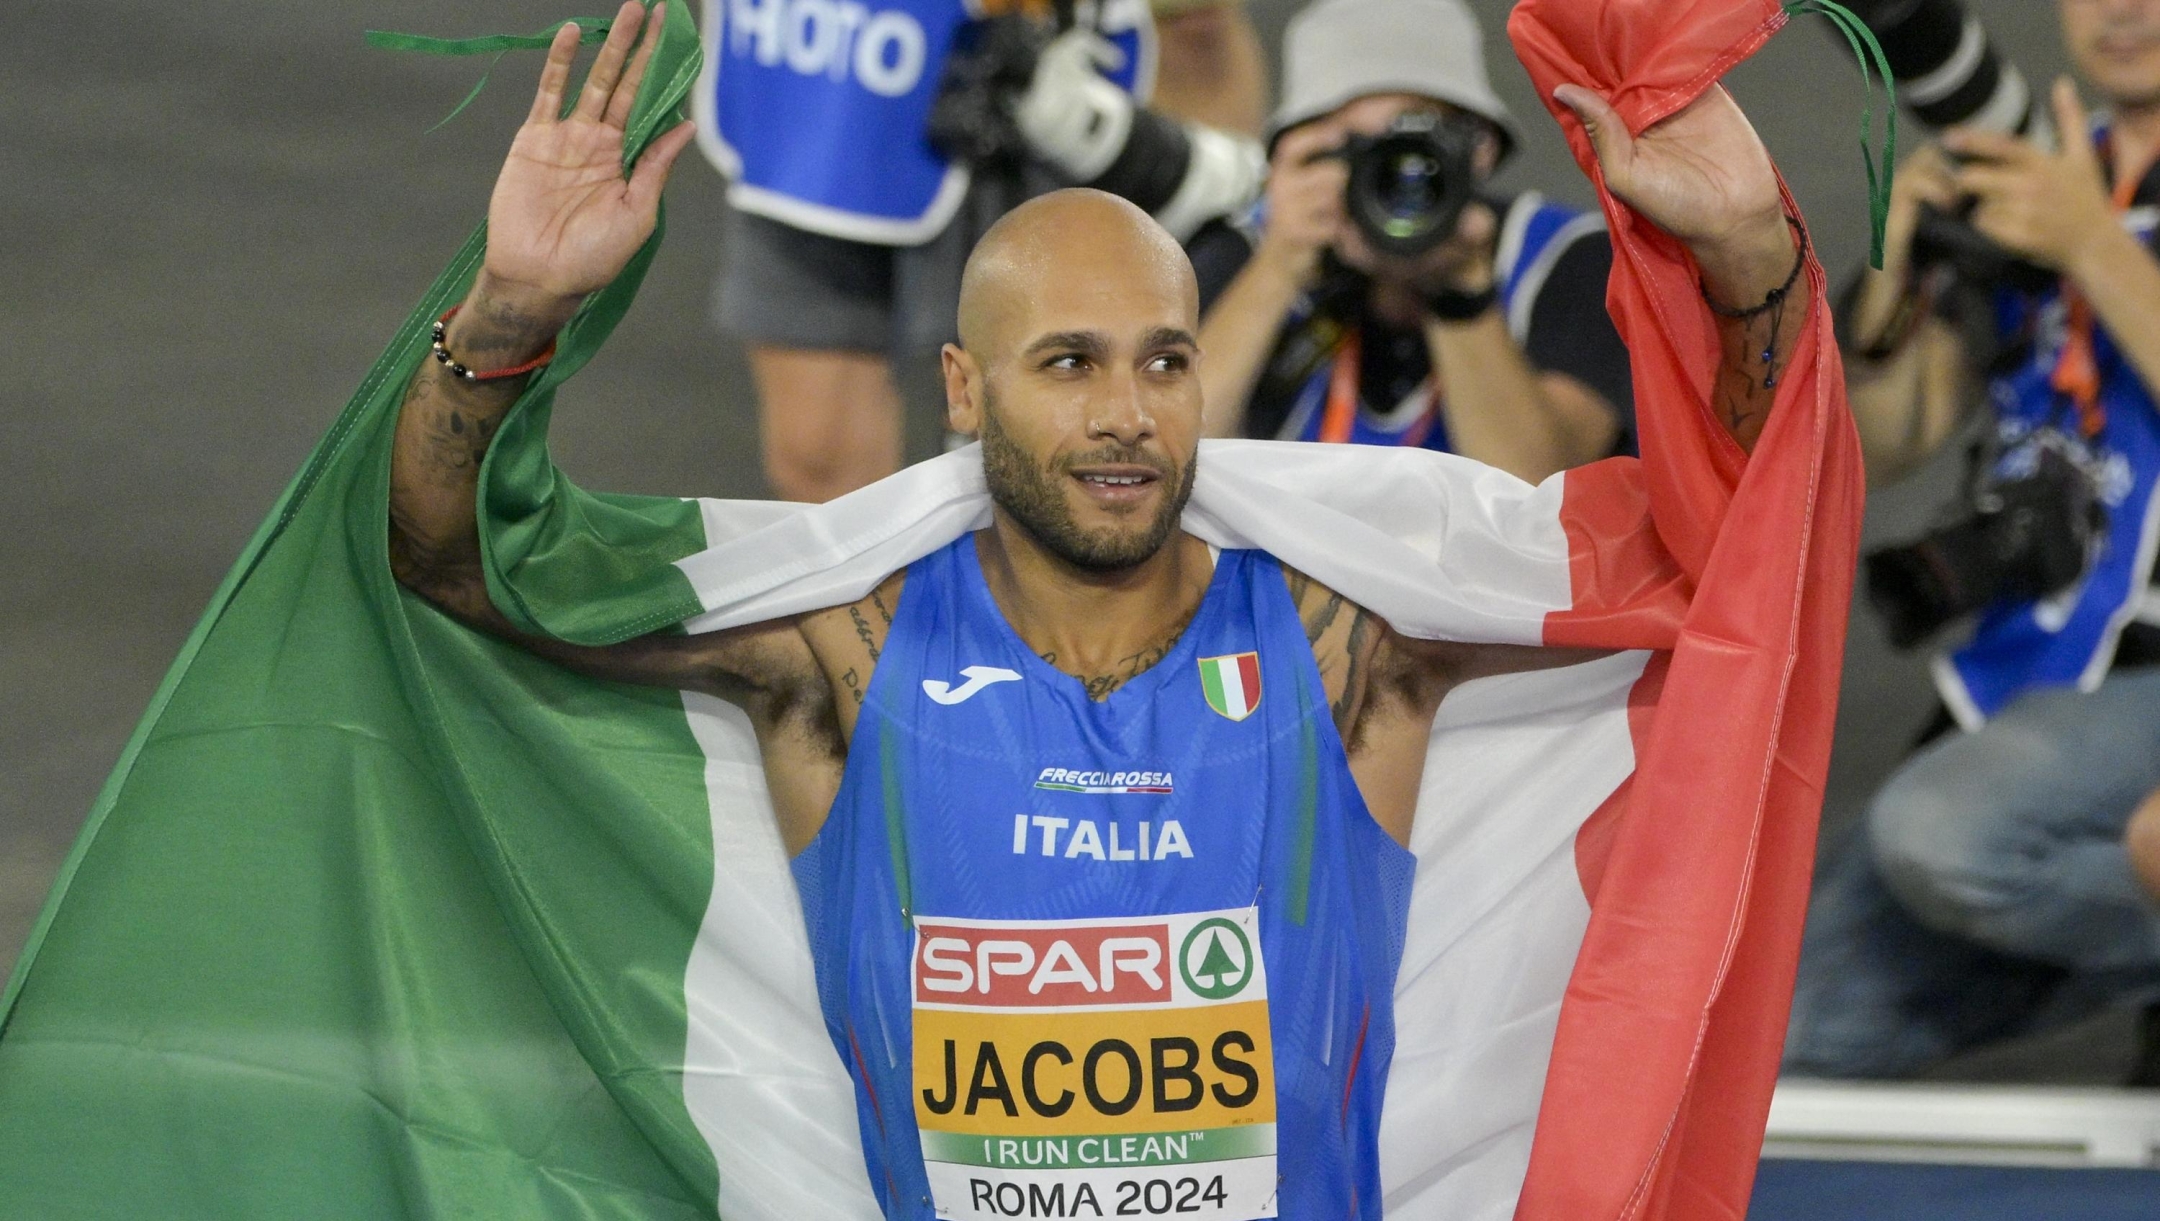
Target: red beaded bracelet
(459,371)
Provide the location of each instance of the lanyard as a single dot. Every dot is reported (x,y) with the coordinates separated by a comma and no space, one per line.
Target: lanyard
(1340,416)
(2077,368)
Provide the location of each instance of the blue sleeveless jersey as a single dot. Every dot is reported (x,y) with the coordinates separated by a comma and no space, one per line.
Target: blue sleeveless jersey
(816,110)
(1127,957)
(2069,639)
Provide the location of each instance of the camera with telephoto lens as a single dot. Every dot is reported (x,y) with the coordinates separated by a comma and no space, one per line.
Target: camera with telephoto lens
(1950,73)
(990,64)
(2026,538)
(1410,183)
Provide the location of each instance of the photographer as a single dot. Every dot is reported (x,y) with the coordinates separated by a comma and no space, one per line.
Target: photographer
(1993,886)
(1380,296)
(867,148)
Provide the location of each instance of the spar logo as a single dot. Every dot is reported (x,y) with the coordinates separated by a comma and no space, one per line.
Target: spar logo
(1216,959)
(1104,964)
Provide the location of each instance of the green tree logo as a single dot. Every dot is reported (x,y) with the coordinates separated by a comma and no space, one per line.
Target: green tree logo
(1216,967)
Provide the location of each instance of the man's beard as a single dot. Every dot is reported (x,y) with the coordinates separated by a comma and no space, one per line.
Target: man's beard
(1034,497)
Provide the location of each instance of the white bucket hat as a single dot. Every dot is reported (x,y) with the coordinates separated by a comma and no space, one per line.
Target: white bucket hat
(1335,51)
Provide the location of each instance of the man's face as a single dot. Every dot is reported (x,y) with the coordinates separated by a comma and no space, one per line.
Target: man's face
(2116,46)
(1089,412)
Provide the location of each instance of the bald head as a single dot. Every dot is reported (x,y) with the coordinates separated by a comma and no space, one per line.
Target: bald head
(1078,368)
(1073,238)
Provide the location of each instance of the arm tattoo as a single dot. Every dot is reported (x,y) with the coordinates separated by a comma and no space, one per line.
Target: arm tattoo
(1318,625)
(430,570)
(1738,412)
(1756,342)
(1359,664)
(443,434)
(863,632)
(853,683)
(877,599)
(455,440)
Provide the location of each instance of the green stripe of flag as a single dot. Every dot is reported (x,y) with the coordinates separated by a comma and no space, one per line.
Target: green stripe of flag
(379,917)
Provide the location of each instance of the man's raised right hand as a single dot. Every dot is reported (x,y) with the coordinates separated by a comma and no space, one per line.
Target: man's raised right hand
(563,220)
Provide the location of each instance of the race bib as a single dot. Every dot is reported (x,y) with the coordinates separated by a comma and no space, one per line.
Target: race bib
(1095,1068)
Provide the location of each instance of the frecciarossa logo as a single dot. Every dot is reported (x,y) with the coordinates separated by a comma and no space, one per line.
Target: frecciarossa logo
(1098,781)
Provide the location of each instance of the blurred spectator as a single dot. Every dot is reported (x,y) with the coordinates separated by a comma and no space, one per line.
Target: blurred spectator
(2143,840)
(1993,887)
(1380,295)
(868,147)
(1212,71)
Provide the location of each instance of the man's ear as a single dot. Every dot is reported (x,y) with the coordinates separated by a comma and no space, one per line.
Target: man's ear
(963,390)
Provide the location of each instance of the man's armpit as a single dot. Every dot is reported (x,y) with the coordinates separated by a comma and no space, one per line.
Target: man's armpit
(766,668)
(1456,662)
(1411,677)
(744,666)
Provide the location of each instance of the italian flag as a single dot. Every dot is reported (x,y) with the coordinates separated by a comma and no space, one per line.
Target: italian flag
(378,917)
(1231,684)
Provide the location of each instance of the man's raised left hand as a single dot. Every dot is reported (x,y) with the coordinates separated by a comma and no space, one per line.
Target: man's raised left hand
(1703,176)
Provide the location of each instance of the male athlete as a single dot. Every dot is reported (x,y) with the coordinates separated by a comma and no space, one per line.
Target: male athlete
(1032,973)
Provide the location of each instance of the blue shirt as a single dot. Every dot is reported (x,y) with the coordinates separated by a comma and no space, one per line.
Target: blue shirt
(1551,262)
(2069,639)
(1137,952)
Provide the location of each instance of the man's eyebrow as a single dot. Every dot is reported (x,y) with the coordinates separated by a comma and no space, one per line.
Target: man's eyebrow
(1087,343)
(1168,337)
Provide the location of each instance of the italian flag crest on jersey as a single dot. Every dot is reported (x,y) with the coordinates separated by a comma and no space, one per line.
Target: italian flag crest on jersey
(1231,684)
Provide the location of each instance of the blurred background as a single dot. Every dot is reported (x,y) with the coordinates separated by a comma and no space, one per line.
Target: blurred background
(213,216)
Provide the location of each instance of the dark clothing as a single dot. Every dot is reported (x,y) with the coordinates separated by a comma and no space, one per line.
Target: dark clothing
(1552,264)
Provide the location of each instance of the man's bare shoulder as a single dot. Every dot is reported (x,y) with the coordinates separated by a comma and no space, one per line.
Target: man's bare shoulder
(1360,657)
(1369,669)
(1384,689)
(1342,635)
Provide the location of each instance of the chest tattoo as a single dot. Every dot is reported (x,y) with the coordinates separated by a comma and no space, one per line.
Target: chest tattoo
(1132,665)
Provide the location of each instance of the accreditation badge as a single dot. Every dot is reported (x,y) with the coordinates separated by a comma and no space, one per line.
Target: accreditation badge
(1095,1068)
